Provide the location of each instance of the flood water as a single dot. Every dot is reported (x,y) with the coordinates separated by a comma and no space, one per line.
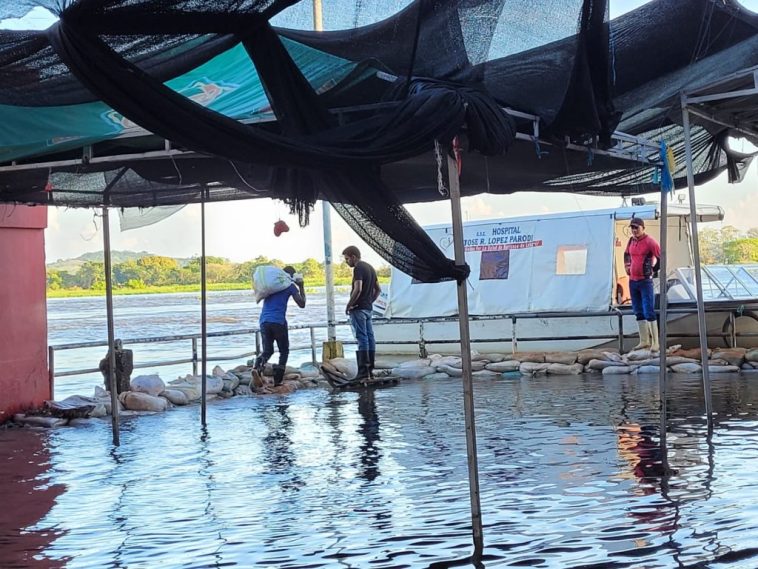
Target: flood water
(572,471)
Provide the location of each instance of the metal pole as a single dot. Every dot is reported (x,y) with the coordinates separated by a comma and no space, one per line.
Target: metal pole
(313,345)
(203,319)
(111,335)
(696,254)
(468,387)
(194,356)
(331,322)
(51,370)
(663,296)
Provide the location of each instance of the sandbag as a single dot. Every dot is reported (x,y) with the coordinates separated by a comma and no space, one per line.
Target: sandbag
(485,374)
(586,356)
(268,279)
(686,368)
(602,364)
(530,357)
(618,370)
(138,401)
(450,370)
(723,369)
(422,362)
(566,358)
(533,368)
(565,369)
(613,356)
(476,365)
(150,384)
(438,360)
(734,356)
(648,369)
(348,367)
(37,421)
(176,396)
(501,367)
(493,358)
(413,372)
(640,355)
(437,375)
(752,355)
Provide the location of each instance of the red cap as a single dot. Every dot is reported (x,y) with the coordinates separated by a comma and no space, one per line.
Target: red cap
(280,227)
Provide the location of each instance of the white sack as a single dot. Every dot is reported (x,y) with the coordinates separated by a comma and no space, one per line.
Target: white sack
(268,279)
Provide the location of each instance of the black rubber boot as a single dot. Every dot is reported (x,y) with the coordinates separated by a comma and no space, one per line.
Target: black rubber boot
(364,371)
(371,361)
(278,375)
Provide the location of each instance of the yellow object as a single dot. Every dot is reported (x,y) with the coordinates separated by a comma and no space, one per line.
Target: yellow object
(332,350)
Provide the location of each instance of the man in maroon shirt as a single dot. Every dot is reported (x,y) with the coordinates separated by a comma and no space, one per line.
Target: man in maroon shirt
(641,261)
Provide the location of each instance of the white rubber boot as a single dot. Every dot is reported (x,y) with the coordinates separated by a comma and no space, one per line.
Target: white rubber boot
(654,345)
(644,327)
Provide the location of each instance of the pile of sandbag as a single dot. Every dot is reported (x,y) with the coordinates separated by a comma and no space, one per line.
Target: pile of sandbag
(149,394)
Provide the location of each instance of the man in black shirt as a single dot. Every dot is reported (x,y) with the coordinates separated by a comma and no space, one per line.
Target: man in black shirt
(359,307)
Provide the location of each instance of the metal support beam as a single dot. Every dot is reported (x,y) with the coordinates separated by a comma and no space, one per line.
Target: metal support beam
(468,387)
(111,333)
(203,320)
(663,295)
(696,254)
(331,329)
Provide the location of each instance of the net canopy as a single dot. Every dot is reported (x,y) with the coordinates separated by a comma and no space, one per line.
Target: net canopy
(143,103)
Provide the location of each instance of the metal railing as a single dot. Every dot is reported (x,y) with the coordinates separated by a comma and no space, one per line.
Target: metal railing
(729,336)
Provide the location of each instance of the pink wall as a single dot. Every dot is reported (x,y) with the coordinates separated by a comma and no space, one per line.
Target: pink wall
(24,381)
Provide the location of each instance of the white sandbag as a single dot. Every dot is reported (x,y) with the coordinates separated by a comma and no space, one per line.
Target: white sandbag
(752,355)
(421,362)
(382,363)
(230,384)
(723,369)
(450,370)
(500,367)
(613,357)
(307,371)
(437,375)
(438,360)
(566,358)
(648,369)
(413,372)
(176,396)
(670,360)
(618,370)
(268,279)
(485,374)
(600,365)
(686,368)
(243,390)
(348,367)
(150,384)
(190,390)
(639,355)
(138,401)
(494,358)
(477,365)
(565,369)
(533,368)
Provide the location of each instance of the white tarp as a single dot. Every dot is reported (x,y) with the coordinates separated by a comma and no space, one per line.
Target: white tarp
(558,262)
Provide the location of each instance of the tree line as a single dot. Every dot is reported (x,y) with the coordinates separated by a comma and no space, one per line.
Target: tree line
(155,270)
(728,245)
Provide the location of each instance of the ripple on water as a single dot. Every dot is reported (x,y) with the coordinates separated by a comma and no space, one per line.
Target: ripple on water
(572,474)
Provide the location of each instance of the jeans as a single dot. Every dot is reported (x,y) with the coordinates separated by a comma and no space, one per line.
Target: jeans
(643,299)
(363,329)
(270,333)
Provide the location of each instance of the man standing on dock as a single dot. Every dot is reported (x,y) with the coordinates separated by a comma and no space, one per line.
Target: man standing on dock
(360,307)
(641,261)
(273,325)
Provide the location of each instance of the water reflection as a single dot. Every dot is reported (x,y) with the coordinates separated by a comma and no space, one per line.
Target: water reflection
(26,496)
(576,472)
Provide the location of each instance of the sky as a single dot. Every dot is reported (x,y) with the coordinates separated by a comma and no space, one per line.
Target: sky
(243,230)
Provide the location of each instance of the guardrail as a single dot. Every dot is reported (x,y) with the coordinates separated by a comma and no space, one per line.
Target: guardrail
(730,336)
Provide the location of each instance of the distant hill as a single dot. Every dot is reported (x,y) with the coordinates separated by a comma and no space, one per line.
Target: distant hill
(73,265)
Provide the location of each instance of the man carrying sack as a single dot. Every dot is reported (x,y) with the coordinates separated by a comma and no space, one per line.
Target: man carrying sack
(273,324)
(641,261)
